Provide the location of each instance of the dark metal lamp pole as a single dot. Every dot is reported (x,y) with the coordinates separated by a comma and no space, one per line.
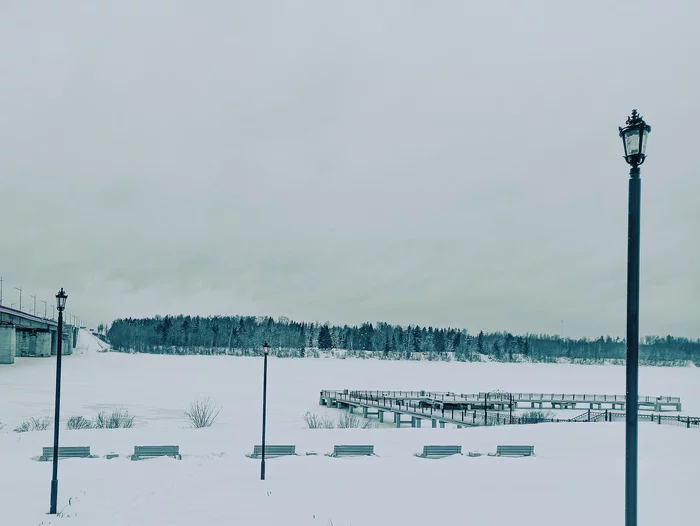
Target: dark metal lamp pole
(634,139)
(266,351)
(60,305)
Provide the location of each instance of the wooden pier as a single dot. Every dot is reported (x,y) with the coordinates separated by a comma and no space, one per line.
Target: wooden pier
(465,410)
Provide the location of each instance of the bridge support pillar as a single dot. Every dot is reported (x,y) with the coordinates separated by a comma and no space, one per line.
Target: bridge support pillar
(415,422)
(442,425)
(434,423)
(26,344)
(43,344)
(364,411)
(380,415)
(75,337)
(8,344)
(54,343)
(67,348)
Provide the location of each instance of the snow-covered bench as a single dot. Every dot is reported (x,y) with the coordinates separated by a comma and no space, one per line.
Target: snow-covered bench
(440,451)
(352,451)
(65,452)
(513,451)
(156,451)
(273,451)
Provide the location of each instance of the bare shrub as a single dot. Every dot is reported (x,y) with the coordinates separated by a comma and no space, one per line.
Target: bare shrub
(79,422)
(535,416)
(350,421)
(119,418)
(33,424)
(202,413)
(2,426)
(316,421)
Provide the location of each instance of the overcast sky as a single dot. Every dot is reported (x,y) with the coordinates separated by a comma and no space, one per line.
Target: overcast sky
(444,163)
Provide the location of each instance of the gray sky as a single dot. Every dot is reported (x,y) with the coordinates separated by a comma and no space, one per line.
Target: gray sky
(440,163)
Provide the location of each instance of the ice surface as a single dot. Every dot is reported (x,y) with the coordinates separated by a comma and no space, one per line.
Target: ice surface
(576,478)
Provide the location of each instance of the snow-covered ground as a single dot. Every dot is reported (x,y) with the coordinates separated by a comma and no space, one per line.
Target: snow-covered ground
(577,477)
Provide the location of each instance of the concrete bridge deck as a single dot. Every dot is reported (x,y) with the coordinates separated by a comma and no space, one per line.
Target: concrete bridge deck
(466,410)
(22,334)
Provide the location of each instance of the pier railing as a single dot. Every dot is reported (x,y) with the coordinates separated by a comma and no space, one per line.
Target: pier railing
(413,403)
(506,396)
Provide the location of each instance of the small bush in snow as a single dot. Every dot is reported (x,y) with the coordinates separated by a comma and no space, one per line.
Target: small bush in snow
(79,422)
(2,426)
(350,421)
(119,418)
(33,424)
(202,413)
(535,416)
(315,421)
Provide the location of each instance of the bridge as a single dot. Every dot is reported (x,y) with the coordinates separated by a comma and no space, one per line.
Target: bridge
(23,334)
(463,410)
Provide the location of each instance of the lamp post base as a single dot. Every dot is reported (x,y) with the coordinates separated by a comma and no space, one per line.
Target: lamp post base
(54,496)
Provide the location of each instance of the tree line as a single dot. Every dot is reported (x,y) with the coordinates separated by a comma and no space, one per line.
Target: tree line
(244,335)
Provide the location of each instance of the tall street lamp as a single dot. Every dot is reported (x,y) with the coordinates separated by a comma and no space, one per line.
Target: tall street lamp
(60,305)
(266,351)
(634,140)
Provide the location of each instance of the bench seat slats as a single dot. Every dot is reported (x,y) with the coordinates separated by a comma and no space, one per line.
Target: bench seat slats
(440,451)
(156,451)
(515,451)
(272,451)
(65,452)
(353,451)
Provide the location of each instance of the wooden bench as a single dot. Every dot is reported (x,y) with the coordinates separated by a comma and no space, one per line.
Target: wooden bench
(65,452)
(440,451)
(352,451)
(514,451)
(273,451)
(156,451)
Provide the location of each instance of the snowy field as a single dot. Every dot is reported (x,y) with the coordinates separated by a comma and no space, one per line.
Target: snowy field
(576,478)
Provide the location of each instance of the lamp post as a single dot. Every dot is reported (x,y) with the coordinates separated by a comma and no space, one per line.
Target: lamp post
(266,351)
(60,305)
(20,297)
(634,140)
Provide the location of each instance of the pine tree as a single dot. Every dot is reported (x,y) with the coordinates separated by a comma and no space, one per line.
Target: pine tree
(324,338)
(480,342)
(439,341)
